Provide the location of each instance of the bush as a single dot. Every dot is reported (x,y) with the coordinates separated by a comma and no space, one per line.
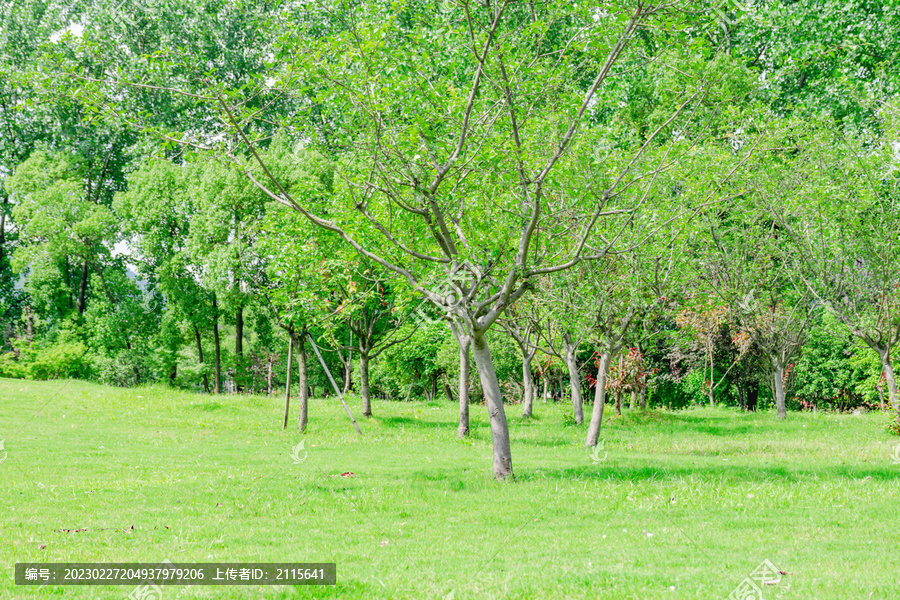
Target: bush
(833,372)
(60,360)
(121,370)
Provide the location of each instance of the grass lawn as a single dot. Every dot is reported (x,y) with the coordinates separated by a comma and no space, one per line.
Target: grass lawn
(675,504)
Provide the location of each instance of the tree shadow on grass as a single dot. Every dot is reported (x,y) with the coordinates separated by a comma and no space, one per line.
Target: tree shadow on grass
(423,423)
(604,472)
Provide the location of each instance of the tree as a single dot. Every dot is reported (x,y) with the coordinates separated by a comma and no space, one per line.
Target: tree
(838,206)
(365,301)
(747,267)
(441,158)
(523,329)
(158,212)
(65,219)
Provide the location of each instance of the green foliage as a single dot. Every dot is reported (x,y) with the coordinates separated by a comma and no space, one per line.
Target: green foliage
(60,360)
(833,372)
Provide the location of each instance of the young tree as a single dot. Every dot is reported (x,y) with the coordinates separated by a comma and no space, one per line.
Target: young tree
(745,263)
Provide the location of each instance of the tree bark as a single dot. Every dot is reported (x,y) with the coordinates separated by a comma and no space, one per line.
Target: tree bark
(599,401)
(574,379)
(238,345)
(364,383)
(544,378)
(889,378)
(644,397)
(287,384)
(448,393)
(633,404)
(348,366)
(464,342)
(494,400)
(528,382)
(302,383)
(778,374)
(200,355)
(218,347)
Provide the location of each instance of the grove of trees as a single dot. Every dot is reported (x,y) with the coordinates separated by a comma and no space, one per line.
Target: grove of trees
(652,203)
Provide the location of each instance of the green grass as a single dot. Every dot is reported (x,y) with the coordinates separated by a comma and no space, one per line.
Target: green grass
(676,505)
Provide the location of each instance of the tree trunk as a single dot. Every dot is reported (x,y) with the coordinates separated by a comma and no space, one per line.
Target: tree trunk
(544,392)
(364,383)
(218,347)
(348,366)
(238,345)
(82,289)
(644,397)
(302,383)
(287,384)
(618,403)
(464,342)
(893,398)
(712,377)
(494,401)
(779,390)
(448,394)
(574,379)
(633,404)
(528,382)
(599,400)
(200,356)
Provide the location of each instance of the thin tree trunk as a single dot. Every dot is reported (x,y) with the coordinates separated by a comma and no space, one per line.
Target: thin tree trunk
(464,342)
(528,382)
(889,378)
(270,374)
(544,378)
(364,383)
(82,290)
(302,383)
(574,378)
(779,391)
(712,377)
(644,397)
(238,345)
(287,384)
(619,391)
(633,404)
(217,387)
(348,366)
(599,401)
(448,393)
(494,401)
(200,356)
